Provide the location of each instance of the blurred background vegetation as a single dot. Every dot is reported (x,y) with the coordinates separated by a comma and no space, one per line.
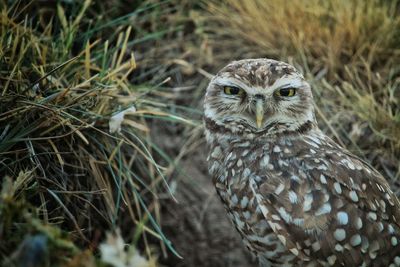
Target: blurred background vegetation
(102,160)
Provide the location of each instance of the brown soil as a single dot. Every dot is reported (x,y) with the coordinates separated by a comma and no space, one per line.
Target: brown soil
(198,225)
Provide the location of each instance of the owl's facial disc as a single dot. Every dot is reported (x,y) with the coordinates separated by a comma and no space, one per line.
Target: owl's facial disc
(255,106)
(255,96)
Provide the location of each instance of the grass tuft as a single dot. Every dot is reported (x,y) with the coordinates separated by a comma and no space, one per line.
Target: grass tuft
(66,72)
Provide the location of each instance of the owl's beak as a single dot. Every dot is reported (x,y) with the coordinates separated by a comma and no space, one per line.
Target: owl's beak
(259,112)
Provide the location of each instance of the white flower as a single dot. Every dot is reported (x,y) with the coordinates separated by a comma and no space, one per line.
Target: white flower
(113,252)
(117,119)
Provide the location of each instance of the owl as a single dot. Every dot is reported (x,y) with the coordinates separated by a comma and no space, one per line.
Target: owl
(296,197)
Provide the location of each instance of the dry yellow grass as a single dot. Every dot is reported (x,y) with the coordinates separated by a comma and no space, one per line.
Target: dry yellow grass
(318,34)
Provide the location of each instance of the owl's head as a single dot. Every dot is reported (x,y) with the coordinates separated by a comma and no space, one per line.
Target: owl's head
(258,96)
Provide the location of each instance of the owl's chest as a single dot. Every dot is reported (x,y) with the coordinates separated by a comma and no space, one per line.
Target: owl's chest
(233,166)
(234,172)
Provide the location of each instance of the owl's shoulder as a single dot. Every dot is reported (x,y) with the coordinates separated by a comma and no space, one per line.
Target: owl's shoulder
(318,162)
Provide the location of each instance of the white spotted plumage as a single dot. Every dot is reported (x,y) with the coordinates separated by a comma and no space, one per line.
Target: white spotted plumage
(295,196)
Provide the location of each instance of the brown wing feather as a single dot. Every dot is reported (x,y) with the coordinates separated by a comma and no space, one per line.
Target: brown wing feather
(332,206)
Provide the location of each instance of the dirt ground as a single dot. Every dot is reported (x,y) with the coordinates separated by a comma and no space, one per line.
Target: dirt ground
(198,225)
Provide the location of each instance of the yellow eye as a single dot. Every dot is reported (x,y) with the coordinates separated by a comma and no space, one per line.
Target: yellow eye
(232,90)
(285,92)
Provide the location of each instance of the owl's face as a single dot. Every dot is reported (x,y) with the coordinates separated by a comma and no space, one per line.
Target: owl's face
(258,96)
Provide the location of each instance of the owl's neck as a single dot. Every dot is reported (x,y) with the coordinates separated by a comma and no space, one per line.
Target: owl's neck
(223,134)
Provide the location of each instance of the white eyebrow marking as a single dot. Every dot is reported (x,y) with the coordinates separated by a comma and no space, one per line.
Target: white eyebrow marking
(284,82)
(286,86)
(221,81)
(287,81)
(229,81)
